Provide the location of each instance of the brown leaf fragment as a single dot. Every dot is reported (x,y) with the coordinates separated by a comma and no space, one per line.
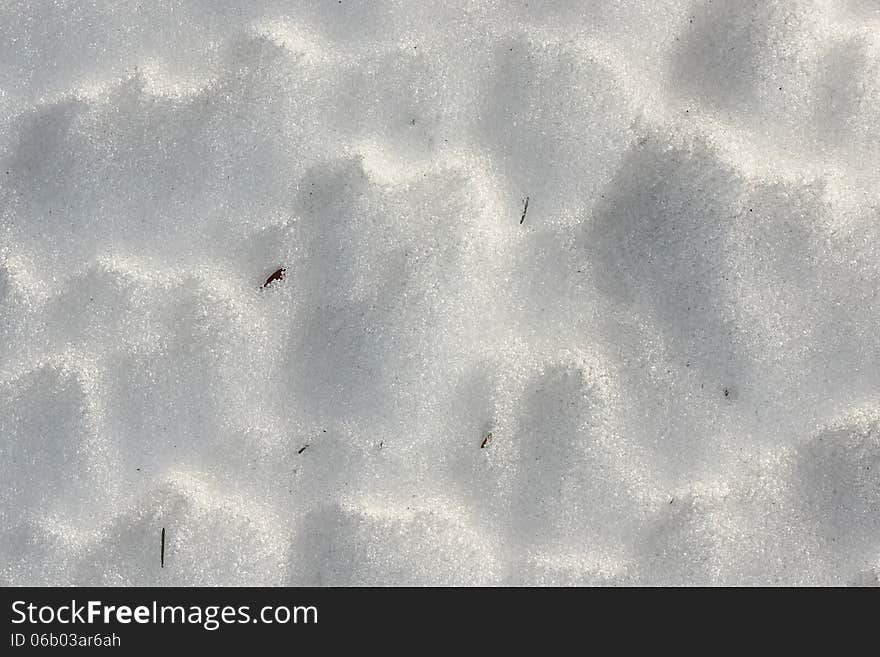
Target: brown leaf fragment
(277,275)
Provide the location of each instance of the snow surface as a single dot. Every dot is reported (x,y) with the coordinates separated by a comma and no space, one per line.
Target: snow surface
(676,352)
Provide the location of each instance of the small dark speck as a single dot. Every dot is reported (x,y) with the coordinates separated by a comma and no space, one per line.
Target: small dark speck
(486,441)
(412,121)
(303,448)
(277,275)
(726,392)
(671,500)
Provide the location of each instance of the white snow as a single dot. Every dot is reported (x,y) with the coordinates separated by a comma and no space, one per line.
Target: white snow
(677,352)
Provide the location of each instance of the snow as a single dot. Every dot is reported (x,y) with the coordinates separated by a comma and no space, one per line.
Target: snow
(676,352)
